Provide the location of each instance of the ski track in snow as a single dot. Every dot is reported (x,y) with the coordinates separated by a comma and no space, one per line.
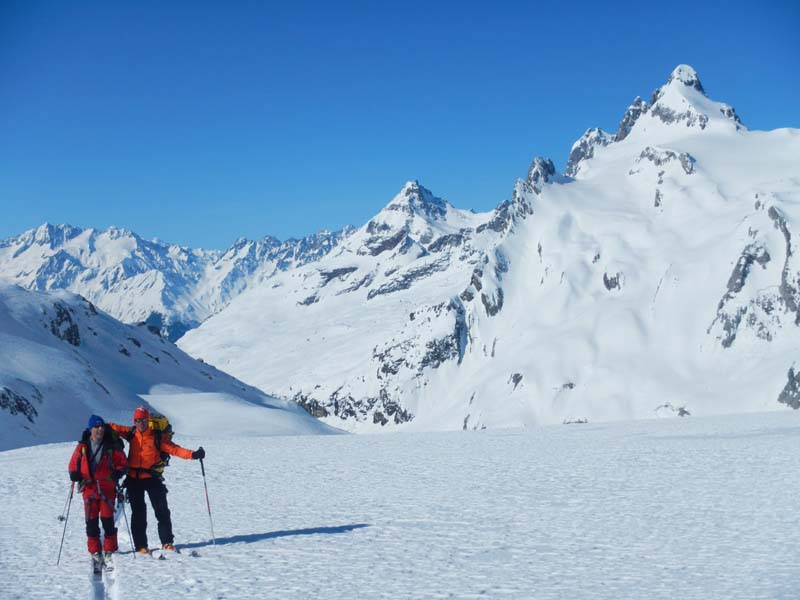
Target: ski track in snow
(693,508)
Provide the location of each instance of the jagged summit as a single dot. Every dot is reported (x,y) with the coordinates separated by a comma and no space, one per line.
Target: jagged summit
(687,76)
(635,110)
(47,234)
(541,171)
(678,104)
(583,149)
(415,199)
(682,79)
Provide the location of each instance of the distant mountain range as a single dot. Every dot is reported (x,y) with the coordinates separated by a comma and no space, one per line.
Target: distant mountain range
(658,275)
(170,287)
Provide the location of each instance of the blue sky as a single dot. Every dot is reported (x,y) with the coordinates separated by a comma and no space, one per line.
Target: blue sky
(201,122)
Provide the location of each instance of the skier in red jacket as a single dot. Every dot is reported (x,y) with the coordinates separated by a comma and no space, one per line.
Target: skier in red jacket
(97,464)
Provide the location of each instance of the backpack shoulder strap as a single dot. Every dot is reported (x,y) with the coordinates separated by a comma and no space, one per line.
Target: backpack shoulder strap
(80,459)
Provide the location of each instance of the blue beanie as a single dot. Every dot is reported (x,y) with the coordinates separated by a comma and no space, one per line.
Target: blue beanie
(94,421)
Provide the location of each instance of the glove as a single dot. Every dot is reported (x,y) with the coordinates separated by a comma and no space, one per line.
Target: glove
(75,476)
(199,453)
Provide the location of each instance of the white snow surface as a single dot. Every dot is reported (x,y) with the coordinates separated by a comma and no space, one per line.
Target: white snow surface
(62,360)
(694,508)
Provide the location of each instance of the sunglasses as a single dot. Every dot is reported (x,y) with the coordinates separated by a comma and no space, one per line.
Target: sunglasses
(140,420)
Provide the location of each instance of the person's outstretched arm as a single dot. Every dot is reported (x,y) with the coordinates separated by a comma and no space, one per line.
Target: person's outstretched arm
(180,451)
(120,429)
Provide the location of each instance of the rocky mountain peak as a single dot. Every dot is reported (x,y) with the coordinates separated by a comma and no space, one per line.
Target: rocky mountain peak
(53,235)
(116,233)
(583,149)
(415,199)
(686,75)
(682,77)
(540,172)
(635,110)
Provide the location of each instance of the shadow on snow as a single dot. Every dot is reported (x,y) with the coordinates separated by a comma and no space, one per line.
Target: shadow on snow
(257,537)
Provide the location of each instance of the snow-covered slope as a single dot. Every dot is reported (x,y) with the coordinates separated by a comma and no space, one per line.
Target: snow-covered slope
(135,280)
(689,509)
(62,360)
(662,274)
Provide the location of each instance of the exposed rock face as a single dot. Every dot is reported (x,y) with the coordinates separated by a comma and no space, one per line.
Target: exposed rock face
(689,117)
(730,113)
(731,319)
(790,395)
(612,282)
(379,244)
(310,405)
(16,404)
(519,207)
(63,327)
(629,119)
(450,240)
(381,410)
(515,379)
(340,274)
(753,253)
(790,280)
(761,307)
(540,172)
(661,157)
(406,278)
(449,347)
(584,148)
(493,303)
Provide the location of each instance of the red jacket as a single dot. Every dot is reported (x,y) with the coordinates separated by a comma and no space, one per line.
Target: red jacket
(111,460)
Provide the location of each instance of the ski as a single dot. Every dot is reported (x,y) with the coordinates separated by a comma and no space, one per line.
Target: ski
(108,562)
(97,565)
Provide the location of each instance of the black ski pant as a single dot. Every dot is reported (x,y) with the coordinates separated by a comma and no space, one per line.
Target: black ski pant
(157,492)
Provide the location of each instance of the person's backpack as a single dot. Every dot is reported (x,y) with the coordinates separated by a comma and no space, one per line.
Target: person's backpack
(163,431)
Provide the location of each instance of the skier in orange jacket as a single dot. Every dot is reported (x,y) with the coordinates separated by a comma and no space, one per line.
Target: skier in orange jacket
(144,454)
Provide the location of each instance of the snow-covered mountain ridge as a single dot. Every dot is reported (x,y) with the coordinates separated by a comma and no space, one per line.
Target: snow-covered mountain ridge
(171,287)
(62,360)
(659,275)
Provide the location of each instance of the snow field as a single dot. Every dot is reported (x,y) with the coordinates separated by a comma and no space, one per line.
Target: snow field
(692,508)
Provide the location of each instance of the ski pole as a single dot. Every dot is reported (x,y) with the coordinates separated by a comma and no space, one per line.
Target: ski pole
(65,518)
(121,504)
(67,501)
(113,510)
(208,504)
